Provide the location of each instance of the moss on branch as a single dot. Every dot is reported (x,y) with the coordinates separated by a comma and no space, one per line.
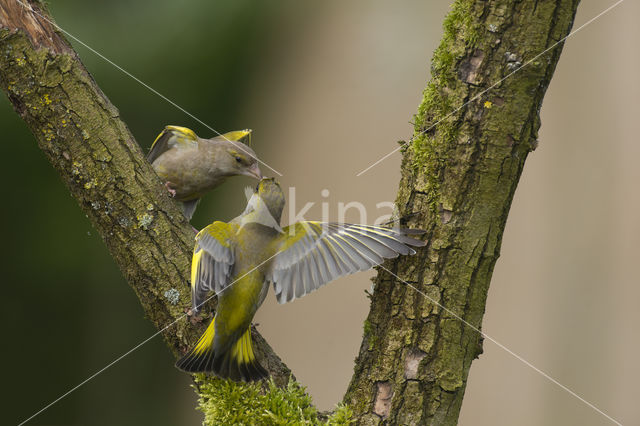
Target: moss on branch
(474,128)
(227,402)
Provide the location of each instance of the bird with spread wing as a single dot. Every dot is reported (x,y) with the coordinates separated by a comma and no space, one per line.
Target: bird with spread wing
(190,166)
(239,260)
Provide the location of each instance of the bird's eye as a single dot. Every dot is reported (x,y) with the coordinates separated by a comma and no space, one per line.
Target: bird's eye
(238,160)
(258,187)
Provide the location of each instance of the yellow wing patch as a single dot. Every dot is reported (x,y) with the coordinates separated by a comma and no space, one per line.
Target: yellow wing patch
(238,135)
(298,231)
(183,131)
(170,137)
(221,231)
(195,263)
(188,133)
(212,261)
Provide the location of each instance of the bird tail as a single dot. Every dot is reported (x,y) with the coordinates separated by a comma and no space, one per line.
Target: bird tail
(236,362)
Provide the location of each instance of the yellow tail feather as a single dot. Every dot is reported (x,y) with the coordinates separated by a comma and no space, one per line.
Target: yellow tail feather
(237,363)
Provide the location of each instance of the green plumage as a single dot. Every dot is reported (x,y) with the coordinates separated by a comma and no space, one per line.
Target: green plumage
(238,260)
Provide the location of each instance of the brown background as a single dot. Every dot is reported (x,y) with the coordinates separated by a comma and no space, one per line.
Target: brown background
(565,291)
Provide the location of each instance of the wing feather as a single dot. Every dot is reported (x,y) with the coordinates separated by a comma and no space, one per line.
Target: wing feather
(384,246)
(303,284)
(213,259)
(350,265)
(340,265)
(359,261)
(321,266)
(330,267)
(168,138)
(311,254)
(369,255)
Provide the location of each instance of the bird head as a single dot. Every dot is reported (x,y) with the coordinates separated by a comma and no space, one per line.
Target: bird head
(269,190)
(241,160)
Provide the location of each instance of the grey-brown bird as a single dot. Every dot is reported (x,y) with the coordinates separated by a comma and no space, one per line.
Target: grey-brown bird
(190,166)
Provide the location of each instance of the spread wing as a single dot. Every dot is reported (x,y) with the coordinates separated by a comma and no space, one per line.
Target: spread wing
(213,259)
(170,137)
(315,253)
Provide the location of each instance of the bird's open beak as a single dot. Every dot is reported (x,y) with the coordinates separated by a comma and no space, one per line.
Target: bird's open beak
(254,171)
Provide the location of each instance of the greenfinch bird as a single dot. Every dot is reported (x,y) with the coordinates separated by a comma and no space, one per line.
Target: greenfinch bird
(240,259)
(191,166)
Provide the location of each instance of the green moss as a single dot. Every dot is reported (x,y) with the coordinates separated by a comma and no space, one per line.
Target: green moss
(369,335)
(227,402)
(367,328)
(460,34)
(343,415)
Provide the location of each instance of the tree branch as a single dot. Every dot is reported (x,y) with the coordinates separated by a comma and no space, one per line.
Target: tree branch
(82,135)
(459,175)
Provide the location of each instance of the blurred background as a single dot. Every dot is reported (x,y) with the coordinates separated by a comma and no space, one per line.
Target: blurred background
(328,88)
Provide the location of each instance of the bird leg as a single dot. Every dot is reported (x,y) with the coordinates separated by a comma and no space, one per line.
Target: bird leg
(193,319)
(171,190)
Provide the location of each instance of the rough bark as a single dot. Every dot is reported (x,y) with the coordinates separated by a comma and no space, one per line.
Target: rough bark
(460,177)
(98,159)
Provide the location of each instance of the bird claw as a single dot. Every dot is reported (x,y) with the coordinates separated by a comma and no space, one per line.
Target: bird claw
(172,191)
(193,319)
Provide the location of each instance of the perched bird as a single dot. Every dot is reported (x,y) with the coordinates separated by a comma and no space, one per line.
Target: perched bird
(191,166)
(238,260)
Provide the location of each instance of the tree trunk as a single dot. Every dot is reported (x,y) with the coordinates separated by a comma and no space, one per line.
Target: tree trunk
(459,175)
